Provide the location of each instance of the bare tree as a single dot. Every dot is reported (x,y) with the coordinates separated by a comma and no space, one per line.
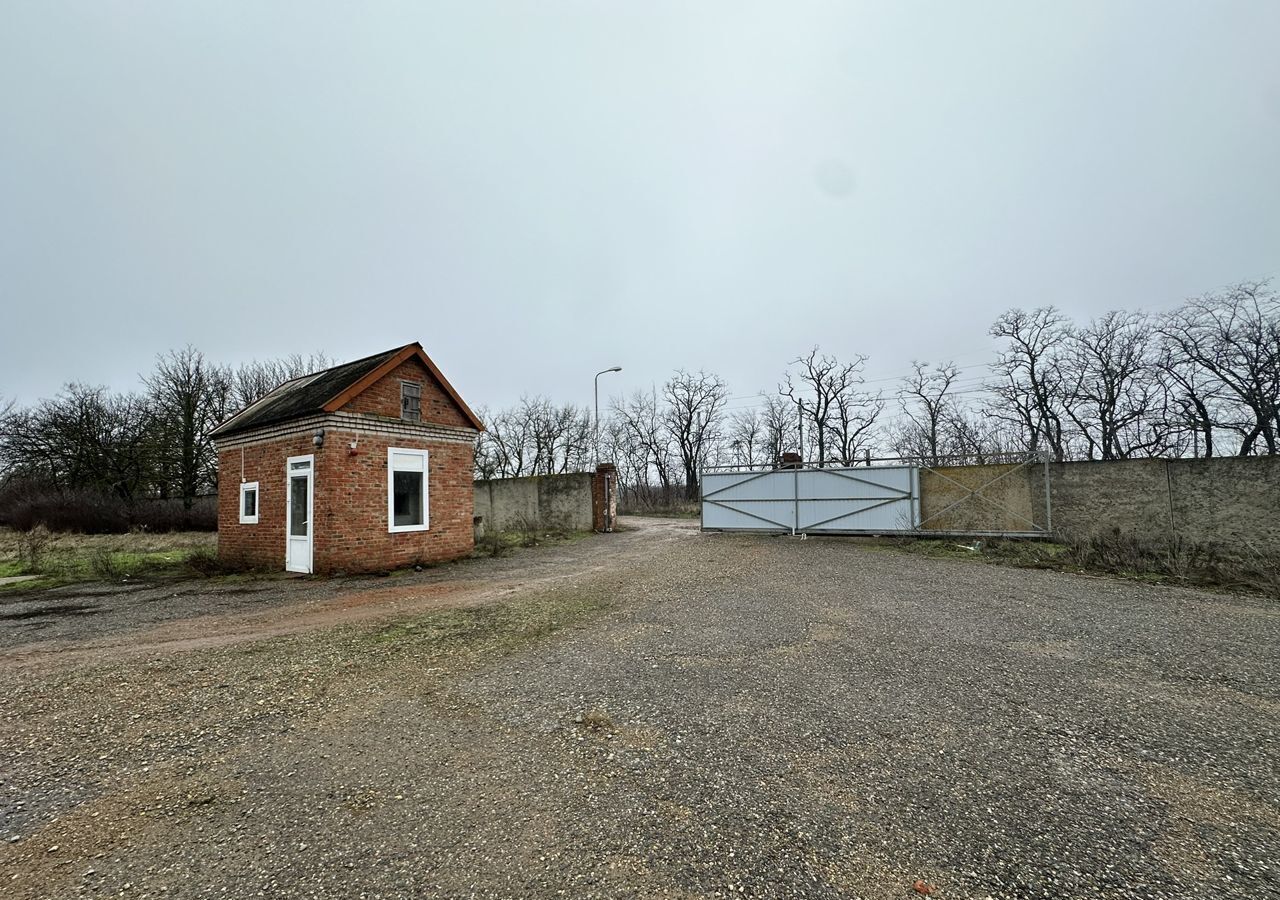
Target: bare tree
(189,396)
(254,380)
(692,416)
(83,438)
(975,437)
(644,440)
(1233,338)
(779,424)
(535,437)
(618,445)
(823,384)
(927,404)
(1195,397)
(746,437)
(1028,376)
(856,414)
(568,438)
(1114,395)
(489,458)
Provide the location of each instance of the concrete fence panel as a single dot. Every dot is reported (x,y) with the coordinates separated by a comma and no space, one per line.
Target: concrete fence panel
(1129,496)
(1229,502)
(536,501)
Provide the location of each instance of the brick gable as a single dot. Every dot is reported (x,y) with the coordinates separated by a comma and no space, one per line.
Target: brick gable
(382,398)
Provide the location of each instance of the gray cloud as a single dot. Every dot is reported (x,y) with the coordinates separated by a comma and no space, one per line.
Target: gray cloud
(537,191)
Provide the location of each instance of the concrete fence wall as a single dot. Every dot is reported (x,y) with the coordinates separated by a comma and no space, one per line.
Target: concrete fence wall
(1228,501)
(536,501)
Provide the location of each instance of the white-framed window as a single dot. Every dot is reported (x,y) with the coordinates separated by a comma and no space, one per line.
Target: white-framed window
(411,401)
(407,508)
(249,503)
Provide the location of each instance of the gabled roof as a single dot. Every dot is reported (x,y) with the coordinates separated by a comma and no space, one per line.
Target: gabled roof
(330,390)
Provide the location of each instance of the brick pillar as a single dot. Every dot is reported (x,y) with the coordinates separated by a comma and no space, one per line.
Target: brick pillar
(604,497)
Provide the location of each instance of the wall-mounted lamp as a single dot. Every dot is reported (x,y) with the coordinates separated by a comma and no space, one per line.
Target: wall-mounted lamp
(318,438)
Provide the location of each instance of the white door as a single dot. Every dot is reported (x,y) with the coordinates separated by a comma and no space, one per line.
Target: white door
(298,504)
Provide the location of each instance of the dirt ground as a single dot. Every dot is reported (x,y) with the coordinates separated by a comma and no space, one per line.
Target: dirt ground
(656,713)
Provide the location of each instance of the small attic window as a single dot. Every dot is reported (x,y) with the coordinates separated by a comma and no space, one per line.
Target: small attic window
(411,401)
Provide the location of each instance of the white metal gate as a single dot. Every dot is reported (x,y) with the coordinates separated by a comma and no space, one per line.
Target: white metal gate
(839,501)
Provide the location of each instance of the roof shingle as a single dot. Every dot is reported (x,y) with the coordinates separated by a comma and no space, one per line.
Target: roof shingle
(307,395)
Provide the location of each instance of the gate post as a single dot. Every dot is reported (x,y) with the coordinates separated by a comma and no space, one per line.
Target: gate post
(1048,498)
(604,497)
(917,501)
(795,500)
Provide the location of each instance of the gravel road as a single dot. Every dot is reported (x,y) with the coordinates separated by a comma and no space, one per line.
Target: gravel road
(659,713)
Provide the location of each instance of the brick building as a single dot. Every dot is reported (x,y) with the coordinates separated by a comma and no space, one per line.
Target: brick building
(363,467)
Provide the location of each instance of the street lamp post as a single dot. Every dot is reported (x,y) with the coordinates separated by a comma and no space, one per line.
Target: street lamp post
(596,436)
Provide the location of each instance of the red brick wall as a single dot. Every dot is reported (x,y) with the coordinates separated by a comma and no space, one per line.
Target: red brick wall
(382,398)
(351,523)
(350,515)
(258,546)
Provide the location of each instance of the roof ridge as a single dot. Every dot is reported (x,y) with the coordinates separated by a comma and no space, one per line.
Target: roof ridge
(363,359)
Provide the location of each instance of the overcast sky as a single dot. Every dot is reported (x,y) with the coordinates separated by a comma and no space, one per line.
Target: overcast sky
(538,190)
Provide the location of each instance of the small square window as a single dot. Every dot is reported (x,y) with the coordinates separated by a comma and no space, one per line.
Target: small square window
(411,401)
(407,490)
(249,503)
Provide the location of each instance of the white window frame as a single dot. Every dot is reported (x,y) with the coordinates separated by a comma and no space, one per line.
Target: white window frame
(245,487)
(391,489)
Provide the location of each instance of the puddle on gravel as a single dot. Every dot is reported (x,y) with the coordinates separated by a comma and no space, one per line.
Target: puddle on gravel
(65,609)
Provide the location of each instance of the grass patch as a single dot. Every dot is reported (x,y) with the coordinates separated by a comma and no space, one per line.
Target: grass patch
(503,542)
(1022,553)
(1158,561)
(11,567)
(1239,566)
(688,510)
(61,559)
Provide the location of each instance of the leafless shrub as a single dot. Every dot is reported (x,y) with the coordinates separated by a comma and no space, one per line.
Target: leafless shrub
(32,545)
(207,563)
(1179,559)
(103,563)
(492,544)
(89,511)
